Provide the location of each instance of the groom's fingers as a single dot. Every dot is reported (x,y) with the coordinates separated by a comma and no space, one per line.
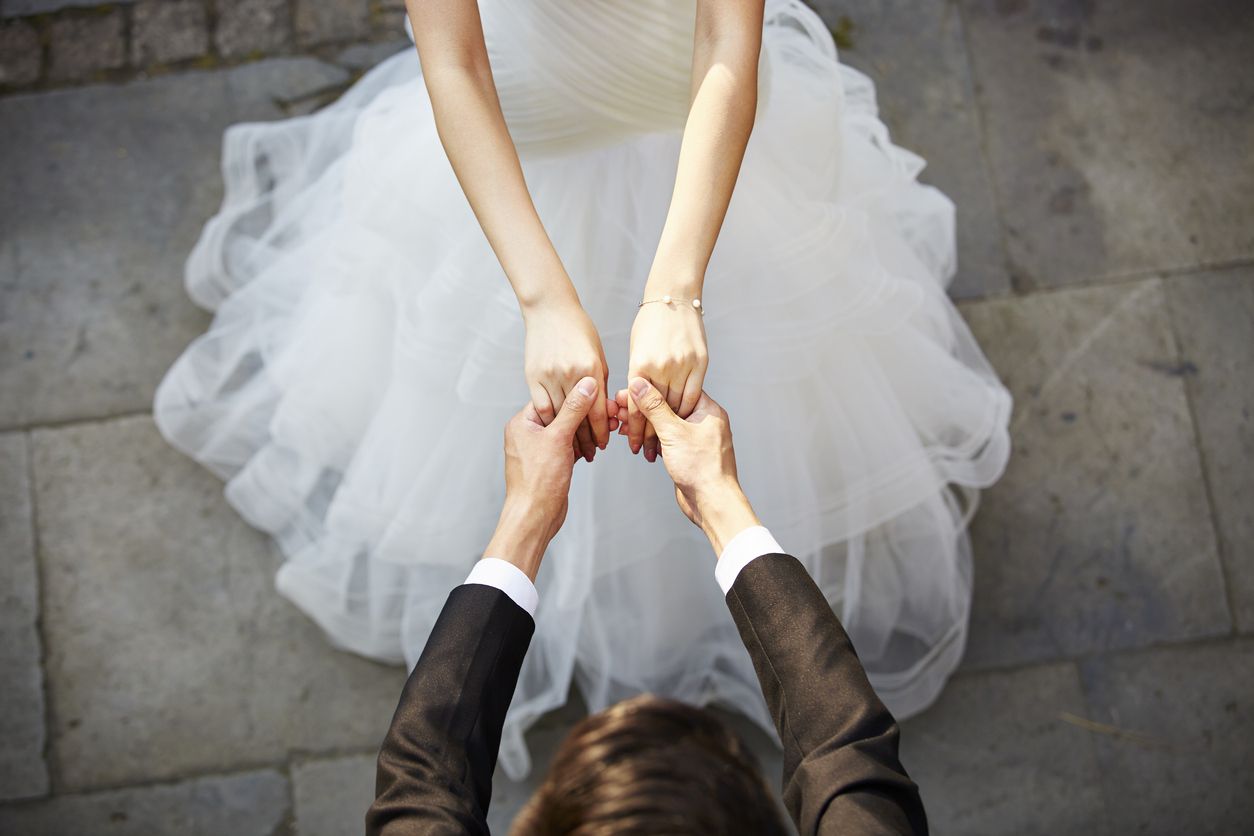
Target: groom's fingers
(652,404)
(576,407)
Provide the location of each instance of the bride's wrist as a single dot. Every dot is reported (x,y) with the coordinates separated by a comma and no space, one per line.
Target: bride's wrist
(675,283)
(549,304)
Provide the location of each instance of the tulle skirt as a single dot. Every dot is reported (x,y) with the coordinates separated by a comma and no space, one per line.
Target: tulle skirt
(367,350)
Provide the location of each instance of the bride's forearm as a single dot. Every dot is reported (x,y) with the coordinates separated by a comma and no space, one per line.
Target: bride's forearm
(472,129)
(724,102)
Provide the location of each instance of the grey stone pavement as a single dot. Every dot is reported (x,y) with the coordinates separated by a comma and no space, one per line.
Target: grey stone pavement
(1101,155)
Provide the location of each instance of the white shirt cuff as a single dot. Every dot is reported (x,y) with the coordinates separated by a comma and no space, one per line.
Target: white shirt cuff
(743,549)
(505,576)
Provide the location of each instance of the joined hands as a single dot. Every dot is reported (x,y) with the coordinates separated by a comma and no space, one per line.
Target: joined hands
(696,451)
(668,348)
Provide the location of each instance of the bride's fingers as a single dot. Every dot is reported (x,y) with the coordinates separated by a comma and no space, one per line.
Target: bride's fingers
(583,440)
(692,394)
(621,399)
(554,396)
(599,419)
(635,423)
(587,439)
(584,443)
(674,393)
(543,403)
(611,416)
(650,434)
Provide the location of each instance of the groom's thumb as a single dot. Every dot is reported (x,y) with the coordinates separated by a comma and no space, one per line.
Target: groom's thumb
(578,404)
(651,403)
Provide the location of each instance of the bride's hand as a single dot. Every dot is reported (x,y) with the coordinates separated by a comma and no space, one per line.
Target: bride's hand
(562,348)
(667,349)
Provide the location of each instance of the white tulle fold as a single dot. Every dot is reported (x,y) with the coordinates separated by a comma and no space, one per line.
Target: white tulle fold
(366,351)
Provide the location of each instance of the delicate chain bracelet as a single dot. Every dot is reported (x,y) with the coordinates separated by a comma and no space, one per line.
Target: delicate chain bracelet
(668,300)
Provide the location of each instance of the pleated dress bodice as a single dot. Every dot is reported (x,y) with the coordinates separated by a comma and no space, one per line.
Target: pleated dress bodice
(577,74)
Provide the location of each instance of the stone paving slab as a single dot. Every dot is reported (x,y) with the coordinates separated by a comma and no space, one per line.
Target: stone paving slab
(20,53)
(246,804)
(163,31)
(332,795)
(22,770)
(1119,132)
(245,27)
(1214,318)
(994,755)
(84,46)
(168,650)
(104,191)
(916,55)
(17,8)
(323,21)
(1099,535)
(1176,753)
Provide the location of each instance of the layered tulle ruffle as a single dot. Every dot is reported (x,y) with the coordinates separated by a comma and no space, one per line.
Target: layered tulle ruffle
(366,351)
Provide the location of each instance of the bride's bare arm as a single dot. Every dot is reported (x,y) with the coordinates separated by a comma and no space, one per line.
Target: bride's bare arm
(668,342)
(562,343)
(724,100)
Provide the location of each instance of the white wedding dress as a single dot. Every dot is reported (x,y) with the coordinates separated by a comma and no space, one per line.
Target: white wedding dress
(367,350)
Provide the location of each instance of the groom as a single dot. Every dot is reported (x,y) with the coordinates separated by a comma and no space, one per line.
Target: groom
(647,765)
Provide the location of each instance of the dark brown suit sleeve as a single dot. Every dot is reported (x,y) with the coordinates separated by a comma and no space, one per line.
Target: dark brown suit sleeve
(841,771)
(436,763)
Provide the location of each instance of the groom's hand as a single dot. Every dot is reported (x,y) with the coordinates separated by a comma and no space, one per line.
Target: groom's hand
(538,465)
(700,459)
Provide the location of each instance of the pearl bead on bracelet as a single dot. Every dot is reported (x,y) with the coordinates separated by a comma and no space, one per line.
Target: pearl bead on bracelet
(668,299)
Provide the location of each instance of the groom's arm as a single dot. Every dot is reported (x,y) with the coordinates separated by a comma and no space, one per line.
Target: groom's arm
(841,770)
(436,764)
(435,767)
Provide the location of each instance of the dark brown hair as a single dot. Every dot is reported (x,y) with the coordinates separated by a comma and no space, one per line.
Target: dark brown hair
(651,766)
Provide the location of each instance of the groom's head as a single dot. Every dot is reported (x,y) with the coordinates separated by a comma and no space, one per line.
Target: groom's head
(655,766)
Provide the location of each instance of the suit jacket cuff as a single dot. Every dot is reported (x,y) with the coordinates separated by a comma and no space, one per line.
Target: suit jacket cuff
(740,551)
(505,576)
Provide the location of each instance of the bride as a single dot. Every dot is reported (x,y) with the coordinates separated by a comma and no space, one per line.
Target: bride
(394,274)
